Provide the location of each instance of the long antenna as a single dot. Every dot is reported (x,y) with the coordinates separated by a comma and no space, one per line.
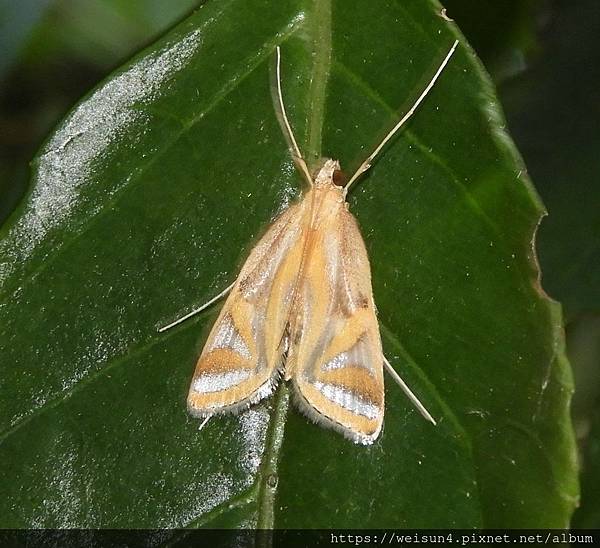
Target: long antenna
(367,163)
(295,149)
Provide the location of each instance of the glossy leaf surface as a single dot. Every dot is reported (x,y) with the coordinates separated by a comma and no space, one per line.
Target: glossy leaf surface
(148,197)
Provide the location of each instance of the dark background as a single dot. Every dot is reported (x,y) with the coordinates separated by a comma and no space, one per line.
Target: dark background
(544,57)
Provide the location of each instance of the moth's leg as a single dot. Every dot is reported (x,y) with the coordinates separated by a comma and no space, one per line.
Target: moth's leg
(287,128)
(367,163)
(199,309)
(203,423)
(408,391)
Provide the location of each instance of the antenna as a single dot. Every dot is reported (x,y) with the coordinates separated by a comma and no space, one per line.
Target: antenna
(287,129)
(367,163)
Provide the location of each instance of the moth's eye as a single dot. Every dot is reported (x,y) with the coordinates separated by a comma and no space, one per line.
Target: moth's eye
(339,177)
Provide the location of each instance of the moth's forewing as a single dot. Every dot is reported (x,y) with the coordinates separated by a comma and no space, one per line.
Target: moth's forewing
(335,358)
(305,289)
(242,356)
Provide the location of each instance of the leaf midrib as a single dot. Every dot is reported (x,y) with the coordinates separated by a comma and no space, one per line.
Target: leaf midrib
(321,48)
(320,32)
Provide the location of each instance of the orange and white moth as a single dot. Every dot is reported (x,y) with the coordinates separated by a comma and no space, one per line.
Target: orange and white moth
(302,308)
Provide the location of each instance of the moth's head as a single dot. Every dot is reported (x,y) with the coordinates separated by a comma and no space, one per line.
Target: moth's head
(327,173)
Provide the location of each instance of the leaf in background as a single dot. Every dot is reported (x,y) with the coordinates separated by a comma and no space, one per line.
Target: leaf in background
(583,336)
(55,51)
(553,112)
(502,33)
(100,34)
(17,19)
(150,194)
(587,516)
(555,119)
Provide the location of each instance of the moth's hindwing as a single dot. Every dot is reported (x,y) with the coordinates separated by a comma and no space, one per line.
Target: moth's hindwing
(242,356)
(335,357)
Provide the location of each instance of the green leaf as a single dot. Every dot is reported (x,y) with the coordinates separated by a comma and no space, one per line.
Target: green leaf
(151,193)
(555,119)
(17,19)
(100,34)
(583,337)
(587,515)
(502,33)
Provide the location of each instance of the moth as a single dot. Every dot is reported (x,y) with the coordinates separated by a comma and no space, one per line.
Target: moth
(302,309)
